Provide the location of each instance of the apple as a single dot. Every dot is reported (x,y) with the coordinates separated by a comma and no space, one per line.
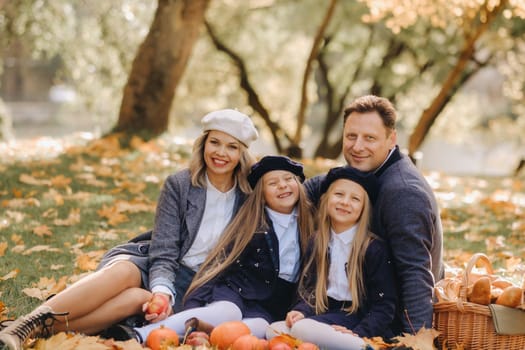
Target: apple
(198,338)
(158,304)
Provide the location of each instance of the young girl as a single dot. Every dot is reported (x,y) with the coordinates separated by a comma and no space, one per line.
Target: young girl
(349,279)
(195,205)
(251,274)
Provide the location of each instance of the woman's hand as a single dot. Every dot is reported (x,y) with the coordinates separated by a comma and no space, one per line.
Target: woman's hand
(292,317)
(157,308)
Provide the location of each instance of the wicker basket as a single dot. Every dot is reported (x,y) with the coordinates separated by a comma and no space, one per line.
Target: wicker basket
(471,324)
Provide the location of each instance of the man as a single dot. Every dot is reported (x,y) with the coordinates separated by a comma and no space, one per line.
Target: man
(405,213)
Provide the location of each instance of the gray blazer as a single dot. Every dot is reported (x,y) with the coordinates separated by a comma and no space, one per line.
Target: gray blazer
(180,209)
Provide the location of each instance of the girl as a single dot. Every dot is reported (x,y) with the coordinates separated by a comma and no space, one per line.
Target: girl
(195,205)
(251,274)
(348,279)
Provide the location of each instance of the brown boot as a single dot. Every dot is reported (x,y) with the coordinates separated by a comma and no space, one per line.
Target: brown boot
(194,324)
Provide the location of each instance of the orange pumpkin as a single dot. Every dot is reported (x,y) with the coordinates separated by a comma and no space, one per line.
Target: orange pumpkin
(161,338)
(249,342)
(284,339)
(226,333)
(280,346)
(307,346)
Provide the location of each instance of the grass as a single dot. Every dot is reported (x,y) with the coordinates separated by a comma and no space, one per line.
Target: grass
(92,196)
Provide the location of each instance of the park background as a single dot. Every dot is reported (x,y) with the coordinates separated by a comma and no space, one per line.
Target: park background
(100,100)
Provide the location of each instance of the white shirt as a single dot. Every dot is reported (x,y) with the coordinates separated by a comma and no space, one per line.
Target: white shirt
(285,226)
(217,214)
(339,245)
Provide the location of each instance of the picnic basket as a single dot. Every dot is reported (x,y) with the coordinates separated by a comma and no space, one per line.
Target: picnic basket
(471,324)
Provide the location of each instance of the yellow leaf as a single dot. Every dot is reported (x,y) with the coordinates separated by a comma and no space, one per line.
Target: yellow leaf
(30,180)
(60,181)
(3,248)
(41,248)
(89,261)
(42,231)
(11,274)
(112,214)
(423,340)
(72,219)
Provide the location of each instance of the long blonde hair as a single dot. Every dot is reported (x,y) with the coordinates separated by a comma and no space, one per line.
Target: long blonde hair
(320,259)
(198,165)
(250,219)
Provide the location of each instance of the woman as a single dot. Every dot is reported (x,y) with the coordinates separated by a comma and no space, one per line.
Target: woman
(195,205)
(349,279)
(251,274)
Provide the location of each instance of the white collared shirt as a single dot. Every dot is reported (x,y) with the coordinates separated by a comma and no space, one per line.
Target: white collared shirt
(340,246)
(285,226)
(217,214)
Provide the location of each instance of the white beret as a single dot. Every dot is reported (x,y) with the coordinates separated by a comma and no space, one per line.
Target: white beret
(232,122)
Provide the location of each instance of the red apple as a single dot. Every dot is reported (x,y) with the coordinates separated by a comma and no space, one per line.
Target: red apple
(158,304)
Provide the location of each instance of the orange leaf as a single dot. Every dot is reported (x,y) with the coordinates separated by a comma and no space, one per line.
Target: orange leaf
(72,219)
(3,248)
(11,274)
(423,340)
(42,231)
(60,181)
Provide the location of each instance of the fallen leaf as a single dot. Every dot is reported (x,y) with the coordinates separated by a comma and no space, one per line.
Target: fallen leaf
(422,340)
(9,275)
(3,248)
(42,231)
(72,219)
(41,248)
(30,180)
(60,181)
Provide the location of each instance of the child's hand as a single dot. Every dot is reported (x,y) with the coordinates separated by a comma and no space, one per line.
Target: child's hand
(292,317)
(157,308)
(343,329)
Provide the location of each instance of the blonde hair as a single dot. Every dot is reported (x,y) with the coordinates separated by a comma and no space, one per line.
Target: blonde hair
(198,165)
(320,260)
(250,219)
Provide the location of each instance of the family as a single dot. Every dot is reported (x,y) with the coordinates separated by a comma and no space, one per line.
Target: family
(350,254)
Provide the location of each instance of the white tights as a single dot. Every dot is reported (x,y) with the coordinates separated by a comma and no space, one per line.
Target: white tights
(214,313)
(319,333)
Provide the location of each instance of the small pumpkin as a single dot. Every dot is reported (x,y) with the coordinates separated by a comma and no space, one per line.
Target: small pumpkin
(249,342)
(284,339)
(307,346)
(226,333)
(162,337)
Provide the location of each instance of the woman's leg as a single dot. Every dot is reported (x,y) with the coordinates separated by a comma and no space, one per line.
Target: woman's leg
(214,313)
(100,299)
(325,336)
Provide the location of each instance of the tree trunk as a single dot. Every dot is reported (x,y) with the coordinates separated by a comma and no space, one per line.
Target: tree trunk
(158,67)
(295,150)
(430,114)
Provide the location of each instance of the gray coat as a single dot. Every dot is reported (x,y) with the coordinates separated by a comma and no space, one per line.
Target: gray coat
(180,209)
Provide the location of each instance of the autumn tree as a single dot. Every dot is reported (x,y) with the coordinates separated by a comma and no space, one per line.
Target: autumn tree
(159,65)
(472,20)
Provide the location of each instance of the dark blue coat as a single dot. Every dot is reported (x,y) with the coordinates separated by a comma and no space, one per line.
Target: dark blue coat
(406,216)
(375,316)
(252,282)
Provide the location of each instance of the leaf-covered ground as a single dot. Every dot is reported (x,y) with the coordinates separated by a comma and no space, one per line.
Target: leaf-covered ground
(63,202)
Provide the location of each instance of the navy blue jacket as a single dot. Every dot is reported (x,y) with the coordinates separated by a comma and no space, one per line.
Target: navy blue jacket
(377,311)
(254,276)
(406,216)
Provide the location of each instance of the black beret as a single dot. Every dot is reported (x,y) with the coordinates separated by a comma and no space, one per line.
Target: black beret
(367,180)
(270,163)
